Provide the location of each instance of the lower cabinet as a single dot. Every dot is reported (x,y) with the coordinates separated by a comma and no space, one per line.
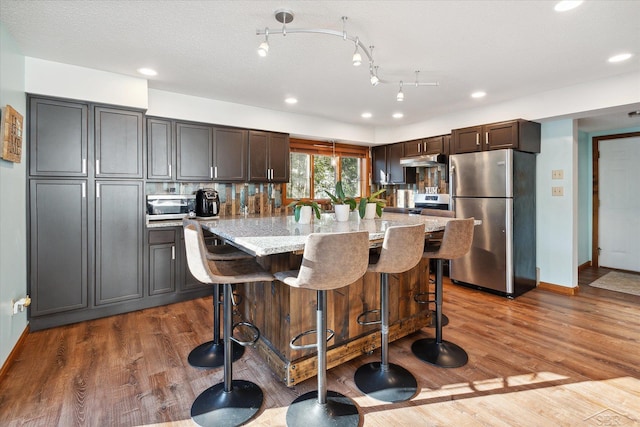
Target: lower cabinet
(162,261)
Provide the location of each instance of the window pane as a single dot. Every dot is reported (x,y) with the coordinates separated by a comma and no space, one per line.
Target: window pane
(323,176)
(351,168)
(299,186)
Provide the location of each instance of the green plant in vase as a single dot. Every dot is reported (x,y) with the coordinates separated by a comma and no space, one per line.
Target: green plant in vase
(373,198)
(341,203)
(297,206)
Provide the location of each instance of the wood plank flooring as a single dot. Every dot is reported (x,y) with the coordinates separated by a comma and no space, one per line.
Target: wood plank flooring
(543,359)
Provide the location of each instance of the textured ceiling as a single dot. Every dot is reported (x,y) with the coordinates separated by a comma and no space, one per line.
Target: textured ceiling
(208,48)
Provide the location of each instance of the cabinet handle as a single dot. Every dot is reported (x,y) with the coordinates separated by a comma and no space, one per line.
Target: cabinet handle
(477,139)
(97,190)
(419,147)
(84,191)
(173,252)
(169,170)
(215,172)
(271,174)
(486,137)
(97,166)
(425,147)
(211,172)
(84,166)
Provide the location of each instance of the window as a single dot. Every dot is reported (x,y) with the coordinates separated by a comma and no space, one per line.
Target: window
(315,168)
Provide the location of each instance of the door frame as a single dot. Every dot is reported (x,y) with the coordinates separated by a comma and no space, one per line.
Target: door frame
(595,142)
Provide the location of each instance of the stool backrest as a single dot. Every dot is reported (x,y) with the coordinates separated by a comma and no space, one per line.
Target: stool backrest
(457,239)
(196,252)
(438,212)
(401,250)
(333,260)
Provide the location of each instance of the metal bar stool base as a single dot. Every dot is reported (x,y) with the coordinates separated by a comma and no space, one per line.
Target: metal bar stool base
(216,407)
(444,354)
(432,319)
(211,355)
(395,384)
(339,411)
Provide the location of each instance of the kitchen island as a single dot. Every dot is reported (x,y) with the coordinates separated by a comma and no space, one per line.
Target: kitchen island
(282,312)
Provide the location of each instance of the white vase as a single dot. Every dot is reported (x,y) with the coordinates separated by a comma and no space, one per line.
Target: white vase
(305,215)
(370,211)
(342,212)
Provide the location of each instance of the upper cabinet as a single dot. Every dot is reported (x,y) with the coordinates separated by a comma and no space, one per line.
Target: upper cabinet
(230,147)
(160,152)
(518,134)
(58,138)
(118,143)
(268,157)
(386,167)
(432,145)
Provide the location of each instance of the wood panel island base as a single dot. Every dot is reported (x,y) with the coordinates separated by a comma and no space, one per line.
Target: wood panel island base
(282,312)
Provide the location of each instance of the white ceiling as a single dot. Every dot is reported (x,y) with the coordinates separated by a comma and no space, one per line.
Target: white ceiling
(509,49)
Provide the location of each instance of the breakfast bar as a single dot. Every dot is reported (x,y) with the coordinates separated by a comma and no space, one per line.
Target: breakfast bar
(282,312)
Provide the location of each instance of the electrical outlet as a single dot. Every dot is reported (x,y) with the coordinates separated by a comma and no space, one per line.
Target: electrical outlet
(557,174)
(557,191)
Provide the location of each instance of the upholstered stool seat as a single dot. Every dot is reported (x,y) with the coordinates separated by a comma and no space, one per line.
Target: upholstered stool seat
(232,402)
(456,242)
(435,239)
(211,353)
(401,250)
(329,261)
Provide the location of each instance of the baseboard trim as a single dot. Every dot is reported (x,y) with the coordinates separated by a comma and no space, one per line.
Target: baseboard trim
(14,354)
(585,265)
(558,289)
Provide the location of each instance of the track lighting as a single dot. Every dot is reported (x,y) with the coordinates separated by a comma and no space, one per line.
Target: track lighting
(400,96)
(285,16)
(263,49)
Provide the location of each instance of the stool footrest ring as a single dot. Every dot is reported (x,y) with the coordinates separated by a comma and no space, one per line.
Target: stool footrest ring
(370,322)
(256,334)
(330,335)
(420,298)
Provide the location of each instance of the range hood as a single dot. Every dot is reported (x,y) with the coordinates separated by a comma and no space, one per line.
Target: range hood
(426,160)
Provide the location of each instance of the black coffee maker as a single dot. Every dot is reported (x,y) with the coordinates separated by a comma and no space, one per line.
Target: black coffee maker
(207,203)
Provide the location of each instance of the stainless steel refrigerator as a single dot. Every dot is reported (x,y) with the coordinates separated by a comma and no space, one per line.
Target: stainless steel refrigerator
(497,187)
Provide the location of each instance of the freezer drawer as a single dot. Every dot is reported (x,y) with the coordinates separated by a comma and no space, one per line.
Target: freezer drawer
(489,262)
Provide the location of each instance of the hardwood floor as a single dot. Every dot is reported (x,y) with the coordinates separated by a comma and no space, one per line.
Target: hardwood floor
(542,359)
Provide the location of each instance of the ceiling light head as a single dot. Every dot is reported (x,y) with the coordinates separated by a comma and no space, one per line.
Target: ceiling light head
(400,96)
(283,16)
(263,49)
(621,57)
(373,71)
(564,5)
(357,58)
(147,72)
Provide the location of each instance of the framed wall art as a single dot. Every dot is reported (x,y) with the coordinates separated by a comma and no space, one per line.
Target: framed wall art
(11,135)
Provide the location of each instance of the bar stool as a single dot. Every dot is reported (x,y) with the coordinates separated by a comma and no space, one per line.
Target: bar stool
(402,249)
(456,242)
(232,402)
(434,240)
(329,261)
(211,353)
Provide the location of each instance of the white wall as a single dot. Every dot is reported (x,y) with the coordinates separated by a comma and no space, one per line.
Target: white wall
(13,235)
(556,217)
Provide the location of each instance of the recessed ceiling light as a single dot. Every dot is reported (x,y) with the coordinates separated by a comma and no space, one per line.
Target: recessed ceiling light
(478,94)
(564,5)
(366,115)
(398,115)
(291,100)
(147,72)
(619,58)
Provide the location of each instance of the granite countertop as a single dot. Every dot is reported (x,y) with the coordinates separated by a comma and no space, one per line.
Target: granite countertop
(262,236)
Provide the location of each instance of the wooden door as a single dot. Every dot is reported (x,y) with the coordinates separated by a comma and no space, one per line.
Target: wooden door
(279,157)
(194,152)
(118,144)
(466,140)
(500,135)
(230,147)
(160,157)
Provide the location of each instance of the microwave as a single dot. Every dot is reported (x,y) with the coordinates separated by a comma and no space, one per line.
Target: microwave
(170,206)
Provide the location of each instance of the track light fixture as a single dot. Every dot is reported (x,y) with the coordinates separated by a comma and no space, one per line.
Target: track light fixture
(285,16)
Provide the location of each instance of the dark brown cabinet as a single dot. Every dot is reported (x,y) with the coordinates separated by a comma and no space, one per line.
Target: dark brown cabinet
(268,157)
(118,143)
(230,147)
(432,145)
(519,134)
(386,167)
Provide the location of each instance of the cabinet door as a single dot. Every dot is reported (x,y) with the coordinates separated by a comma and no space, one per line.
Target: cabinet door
(195,152)
(259,156)
(279,157)
(160,157)
(230,147)
(379,165)
(58,250)
(413,148)
(57,138)
(162,261)
(434,145)
(466,140)
(118,143)
(396,173)
(119,240)
(501,135)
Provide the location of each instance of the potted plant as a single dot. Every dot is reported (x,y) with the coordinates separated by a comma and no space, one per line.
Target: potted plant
(371,206)
(341,203)
(302,210)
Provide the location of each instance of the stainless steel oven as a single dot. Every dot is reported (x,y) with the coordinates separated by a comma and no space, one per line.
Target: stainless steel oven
(429,201)
(170,206)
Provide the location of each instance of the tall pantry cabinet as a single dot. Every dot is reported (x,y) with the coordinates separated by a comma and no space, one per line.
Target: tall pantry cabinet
(86,209)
